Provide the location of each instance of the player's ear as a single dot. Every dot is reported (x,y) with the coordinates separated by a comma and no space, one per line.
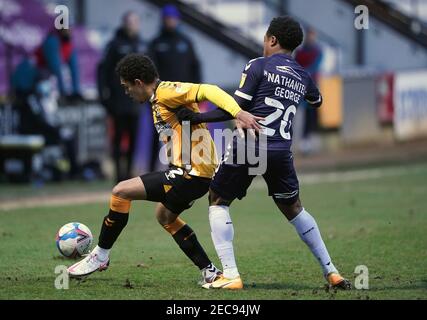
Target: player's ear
(273,41)
(138,82)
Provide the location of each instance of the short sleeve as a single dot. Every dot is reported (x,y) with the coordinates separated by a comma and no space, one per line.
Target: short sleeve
(313,95)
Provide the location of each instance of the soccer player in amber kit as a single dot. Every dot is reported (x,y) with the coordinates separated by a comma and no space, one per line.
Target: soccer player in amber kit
(177,188)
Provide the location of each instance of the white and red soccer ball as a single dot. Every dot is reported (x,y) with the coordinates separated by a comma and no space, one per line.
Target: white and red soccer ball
(74,239)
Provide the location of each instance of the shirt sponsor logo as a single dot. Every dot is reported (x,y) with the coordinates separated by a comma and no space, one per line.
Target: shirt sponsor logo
(289,70)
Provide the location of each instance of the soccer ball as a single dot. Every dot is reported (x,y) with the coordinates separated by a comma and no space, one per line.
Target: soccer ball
(74,239)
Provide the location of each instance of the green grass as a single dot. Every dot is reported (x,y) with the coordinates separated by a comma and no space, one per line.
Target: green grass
(16,191)
(380,223)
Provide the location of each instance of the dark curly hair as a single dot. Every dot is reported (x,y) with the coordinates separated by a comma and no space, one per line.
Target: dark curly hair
(287,31)
(137,66)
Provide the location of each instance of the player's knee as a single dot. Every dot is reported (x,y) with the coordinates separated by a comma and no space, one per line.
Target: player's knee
(296,208)
(121,190)
(290,208)
(163,218)
(216,200)
(169,221)
(213,198)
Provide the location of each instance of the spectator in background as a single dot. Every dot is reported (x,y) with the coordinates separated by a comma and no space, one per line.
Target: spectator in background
(56,50)
(34,99)
(37,107)
(173,52)
(309,56)
(122,109)
(174,55)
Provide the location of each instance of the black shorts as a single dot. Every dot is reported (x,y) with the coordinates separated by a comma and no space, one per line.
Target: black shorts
(174,188)
(232,180)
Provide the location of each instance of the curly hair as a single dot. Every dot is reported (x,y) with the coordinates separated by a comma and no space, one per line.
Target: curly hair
(137,66)
(287,31)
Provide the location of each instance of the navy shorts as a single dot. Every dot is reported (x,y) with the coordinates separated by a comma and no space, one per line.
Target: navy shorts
(232,180)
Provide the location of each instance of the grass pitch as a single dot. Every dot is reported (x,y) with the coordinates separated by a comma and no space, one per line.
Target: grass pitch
(378,221)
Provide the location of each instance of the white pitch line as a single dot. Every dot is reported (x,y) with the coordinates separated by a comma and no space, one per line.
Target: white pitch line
(307,179)
(56,200)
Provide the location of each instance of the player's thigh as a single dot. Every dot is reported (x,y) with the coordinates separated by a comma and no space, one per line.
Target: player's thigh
(184,191)
(131,189)
(282,182)
(156,185)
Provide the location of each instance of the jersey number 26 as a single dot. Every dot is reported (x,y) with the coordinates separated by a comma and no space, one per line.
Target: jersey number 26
(285,123)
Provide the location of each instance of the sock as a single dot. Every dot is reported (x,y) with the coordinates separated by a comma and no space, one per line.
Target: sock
(211,268)
(210,273)
(103,254)
(114,222)
(309,232)
(222,233)
(186,239)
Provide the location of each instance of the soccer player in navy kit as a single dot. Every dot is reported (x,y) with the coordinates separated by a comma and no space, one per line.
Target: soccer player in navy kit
(271,87)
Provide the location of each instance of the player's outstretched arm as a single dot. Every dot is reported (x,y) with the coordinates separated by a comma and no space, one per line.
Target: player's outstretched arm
(217,115)
(219,97)
(226,102)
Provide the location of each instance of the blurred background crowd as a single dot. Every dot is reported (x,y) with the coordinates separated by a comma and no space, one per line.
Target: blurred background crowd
(64,115)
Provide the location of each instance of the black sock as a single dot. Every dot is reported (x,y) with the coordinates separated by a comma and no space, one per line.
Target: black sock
(187,241)
(112,226)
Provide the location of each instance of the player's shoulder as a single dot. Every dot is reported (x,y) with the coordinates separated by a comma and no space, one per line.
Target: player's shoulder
(164,86)
(255,64)
(169,89)
(299,67)
(257,60)
(289,66)
(165,90)
(175,85)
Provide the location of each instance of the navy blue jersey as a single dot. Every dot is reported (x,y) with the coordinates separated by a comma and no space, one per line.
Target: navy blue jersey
(273,87)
